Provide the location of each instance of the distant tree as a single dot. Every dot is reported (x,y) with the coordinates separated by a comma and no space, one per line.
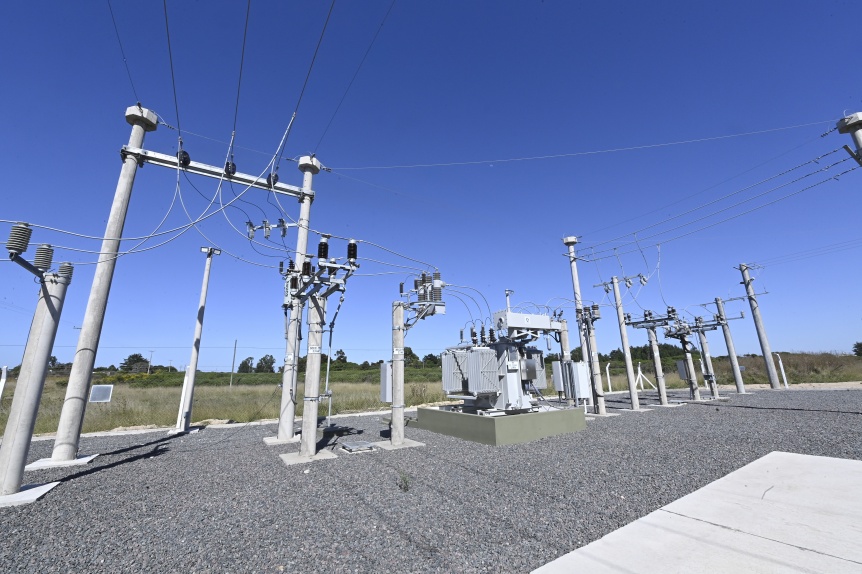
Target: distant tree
(431,360)
(133,363)
(411,359)
(246,366)
(266,364)
(52,362)
(857,349)
(364,366)
(340,356)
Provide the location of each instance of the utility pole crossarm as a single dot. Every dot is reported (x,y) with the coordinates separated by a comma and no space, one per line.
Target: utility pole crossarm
(145,156)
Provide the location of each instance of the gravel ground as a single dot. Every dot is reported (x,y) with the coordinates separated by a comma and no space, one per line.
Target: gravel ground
(222,501)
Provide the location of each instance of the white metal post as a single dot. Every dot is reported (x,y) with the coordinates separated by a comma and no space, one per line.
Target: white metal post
(758,325)
(397,427)
(781,366)
(316,322)
(731,350)
(75,403)
(309,166)
(31,379)
(189,389)
(656,361)
(624,340)
(232,364)
(565,358)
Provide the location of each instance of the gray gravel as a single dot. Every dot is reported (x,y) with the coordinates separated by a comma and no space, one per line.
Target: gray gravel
(222,501)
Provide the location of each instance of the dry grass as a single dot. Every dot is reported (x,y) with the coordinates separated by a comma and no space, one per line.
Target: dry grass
(137,406)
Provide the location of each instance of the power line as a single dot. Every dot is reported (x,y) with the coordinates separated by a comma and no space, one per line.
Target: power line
(583,153)
(737,204)
(356,73)
(815,252)
(241,61)
(122,52)
(722,198)
(171,60)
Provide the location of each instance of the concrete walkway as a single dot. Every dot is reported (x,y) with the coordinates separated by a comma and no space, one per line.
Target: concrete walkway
(781,513)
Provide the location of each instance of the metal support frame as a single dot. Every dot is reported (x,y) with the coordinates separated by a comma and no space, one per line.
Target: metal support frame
(588,316)
(651,322)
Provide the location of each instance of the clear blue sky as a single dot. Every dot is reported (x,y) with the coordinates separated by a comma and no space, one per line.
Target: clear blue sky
(445,82)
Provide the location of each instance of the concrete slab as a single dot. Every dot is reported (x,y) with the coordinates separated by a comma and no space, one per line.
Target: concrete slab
(28,493)
(407,443)
(274,440)
(604,416)
(782,513)
(667,406)
(292,458)
(192,430)
(640,410)
(51,463)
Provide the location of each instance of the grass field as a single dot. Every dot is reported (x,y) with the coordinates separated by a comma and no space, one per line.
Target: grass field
(154,399)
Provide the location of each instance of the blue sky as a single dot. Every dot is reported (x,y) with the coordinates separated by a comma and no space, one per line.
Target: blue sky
(469,83)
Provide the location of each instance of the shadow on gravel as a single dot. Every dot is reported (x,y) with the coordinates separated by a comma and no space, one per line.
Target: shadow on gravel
(331,439)
(143,445)
(726,406)
(158,450)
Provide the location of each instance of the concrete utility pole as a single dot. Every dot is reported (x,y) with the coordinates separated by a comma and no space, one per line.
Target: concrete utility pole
(31,379)
(589,315)
(316,323)
(771,373)
(570,242)
(566,357)
(707,359)
(689,366)
(624,340)
(75,403)
(731,350)
(232,364)
(397,426)
(309,166)
(185,418)
(852,125)
(656,361)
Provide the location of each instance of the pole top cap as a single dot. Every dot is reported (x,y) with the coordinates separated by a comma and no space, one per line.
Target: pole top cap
(309,163)
(136,115)
(849,123)
(570,240)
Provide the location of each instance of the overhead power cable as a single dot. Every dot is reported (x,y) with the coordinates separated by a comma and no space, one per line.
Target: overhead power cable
(123,52)
(171,60)
(241,61)
(583,153)
(814,252)
(356,73)
(737,204)
(715,223)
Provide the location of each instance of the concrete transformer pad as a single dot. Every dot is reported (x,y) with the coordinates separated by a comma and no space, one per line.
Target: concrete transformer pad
(28,494)
(501,430)
(781,513)
(44,463)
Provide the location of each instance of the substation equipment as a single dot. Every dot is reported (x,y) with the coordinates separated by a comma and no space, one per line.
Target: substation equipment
(498,377)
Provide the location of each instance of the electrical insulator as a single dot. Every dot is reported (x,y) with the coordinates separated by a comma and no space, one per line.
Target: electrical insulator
(482,335)
(43,258)
(271,179)
(294,282)
(250,228)
(473,336)
(283,226)
(352,250)
(266,229)
(461,335)
(184,158)
(19,238)
(281,267)
(437,290)
(416,284)
(66,270)
(306,268)
(597,314)
(230,169)
(492,336)
(323,248)
(291,266)
(401,289)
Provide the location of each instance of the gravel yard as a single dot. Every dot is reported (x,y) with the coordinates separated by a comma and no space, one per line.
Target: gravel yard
(222,501)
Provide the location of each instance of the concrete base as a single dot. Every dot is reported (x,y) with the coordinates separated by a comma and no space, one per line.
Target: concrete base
(174,432)
(292,458)
(604,416)
(407,443)
(51,463)
(28,493)
(782,513)
(501,430)
(669,405)
(274,440)
(641,410)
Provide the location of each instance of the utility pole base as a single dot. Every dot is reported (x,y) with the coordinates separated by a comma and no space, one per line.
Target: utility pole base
(590,416)
(667,406)
(43,463)
(28,493)
(640,410)
(175,432)
(293,458)
(274,440)
(406,443)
